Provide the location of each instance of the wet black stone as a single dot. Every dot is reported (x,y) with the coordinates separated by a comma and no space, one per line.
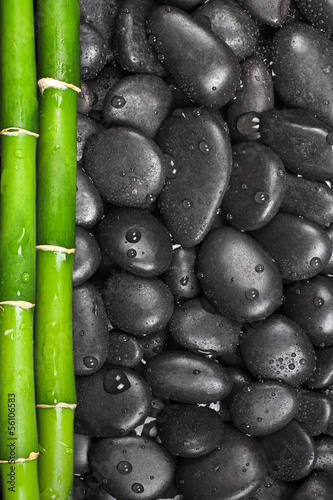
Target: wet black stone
(133,50)
(181,42)
(203,332)
(301,141)
(90,329)
(228,270)
(228,21)
(125,166)
(233,470)
(93,53)
(302,63)
(300,248)
(186,377)
(189,430)
(310,304)
(147,255)
(314,411)
(113,413)
(87,256)
(133,467)
(139,101)
(89,205)
(257,186)
(262,408)
(278,349)
(198,142)
(291,452)
(181,275)
(124,350)
(309,199)
(137,305)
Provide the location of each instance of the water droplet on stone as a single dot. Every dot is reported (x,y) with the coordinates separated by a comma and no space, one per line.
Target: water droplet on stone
(187,203)
(261,197)
(90,361)
(315,262)
(251,294)
(118,101)
(259,268)
(133,235)
(184,280)
(280,173)
(124,467)
(116,382)
(204,147)
(137,488)
(131,253)
(318,302)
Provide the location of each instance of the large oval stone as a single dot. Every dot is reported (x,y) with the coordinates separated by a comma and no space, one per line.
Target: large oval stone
(187,378)
(232,471)
(238,276)
(199,149)
(302,63)
(203,65)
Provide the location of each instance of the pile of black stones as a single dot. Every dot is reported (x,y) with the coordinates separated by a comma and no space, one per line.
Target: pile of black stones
(203,292)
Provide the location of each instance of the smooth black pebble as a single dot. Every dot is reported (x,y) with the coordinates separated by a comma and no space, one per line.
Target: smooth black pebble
(314,411)
(232,471)
(124,350)
(133,51)
(186,377)
(303,142)
(198,146)
(89,204)
(139,101)
(291,452)
(262,408)
(302,64)
(136,304)
(111,402)
(300,248)
(189,430)
(204,67)
(257,186)
(87,256)
(131,161)
(231,23)
(204,332)
(133,467)
(136,240)
(181,275)
(310,304)
(93,51)
(278,349)
(90,329)
(238,276)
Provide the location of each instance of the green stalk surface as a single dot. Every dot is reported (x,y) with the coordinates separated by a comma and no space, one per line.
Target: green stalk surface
(18,110)
(58,58)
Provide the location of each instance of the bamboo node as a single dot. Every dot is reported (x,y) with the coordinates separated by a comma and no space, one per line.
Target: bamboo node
(54,248)
(17,303)
(46,83)
(33,455)
(71,406)
(15,131)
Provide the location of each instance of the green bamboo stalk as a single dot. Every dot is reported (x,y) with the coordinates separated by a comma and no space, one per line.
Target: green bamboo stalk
(58,59)
(18,113)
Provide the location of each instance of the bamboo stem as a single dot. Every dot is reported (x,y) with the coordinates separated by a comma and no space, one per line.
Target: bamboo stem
(18,126)
(59,73)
